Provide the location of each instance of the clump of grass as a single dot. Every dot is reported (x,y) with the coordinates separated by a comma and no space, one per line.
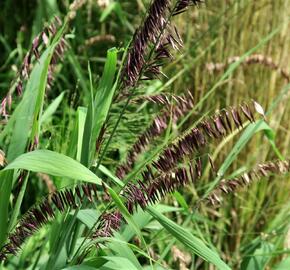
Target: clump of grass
(180,161)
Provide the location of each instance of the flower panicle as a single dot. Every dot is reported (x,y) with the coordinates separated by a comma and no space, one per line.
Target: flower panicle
(215,127)
(183,104)
(109,223)
(144,193)
(45,211)
(262,170)
(146,34)
(156,186)
(182,5)
(170,39)
(162,99)
(250,60)
(40,42)
(157,34)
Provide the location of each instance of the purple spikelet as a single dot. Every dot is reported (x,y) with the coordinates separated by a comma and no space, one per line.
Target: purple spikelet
(214,127)
(183,105)
(39,43)
(109,223)
(147,33)
(262,170)
(155,187)
(43,212)
(182,5)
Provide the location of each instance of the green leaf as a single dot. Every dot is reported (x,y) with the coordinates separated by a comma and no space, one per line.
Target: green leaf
(108,10)
(26,114)
(53,163)
(270,134)
(88,127)
(128,217)
(88,216)
(142,219)
(106,263)
(117,263)
(117,9)
(114,6)
(259,257)
(16,207)
(5,188)
(283,265)
(124,211)
(105,93)
(190,241)
(52,108)
(80,267)
(122,249)
(81,116)
(19,125)
(108,173)
(77,69)
(181,200)
(238,147)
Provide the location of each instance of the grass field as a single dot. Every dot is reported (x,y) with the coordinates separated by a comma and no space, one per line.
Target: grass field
(144,134)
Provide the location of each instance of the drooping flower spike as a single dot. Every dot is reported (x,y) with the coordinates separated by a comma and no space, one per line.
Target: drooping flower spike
(45,211)
(156,187)
(182,5)
(250,60)
(267,169)
(139,194)
(39,43)
(183,104)
(144,194)
(214,127)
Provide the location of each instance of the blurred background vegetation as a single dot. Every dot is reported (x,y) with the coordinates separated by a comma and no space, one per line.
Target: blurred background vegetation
(249,221)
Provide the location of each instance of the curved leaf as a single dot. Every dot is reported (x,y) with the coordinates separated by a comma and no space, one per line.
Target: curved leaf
(54,163)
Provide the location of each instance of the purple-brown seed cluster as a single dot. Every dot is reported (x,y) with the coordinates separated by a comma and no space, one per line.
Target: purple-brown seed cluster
(263,170)
(43,212)
(183,105)
(214,127)
(109,223)
(154,32)
(182,5)
(147,33)
(38,44)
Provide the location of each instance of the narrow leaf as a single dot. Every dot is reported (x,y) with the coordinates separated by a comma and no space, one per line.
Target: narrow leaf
(185,237)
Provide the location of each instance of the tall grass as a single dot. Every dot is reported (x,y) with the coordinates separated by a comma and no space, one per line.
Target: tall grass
(94,137)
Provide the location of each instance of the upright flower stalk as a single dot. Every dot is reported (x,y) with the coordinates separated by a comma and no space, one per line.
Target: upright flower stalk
(152,39)
(149,32)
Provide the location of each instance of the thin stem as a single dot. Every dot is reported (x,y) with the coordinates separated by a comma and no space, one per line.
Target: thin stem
(114,130)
